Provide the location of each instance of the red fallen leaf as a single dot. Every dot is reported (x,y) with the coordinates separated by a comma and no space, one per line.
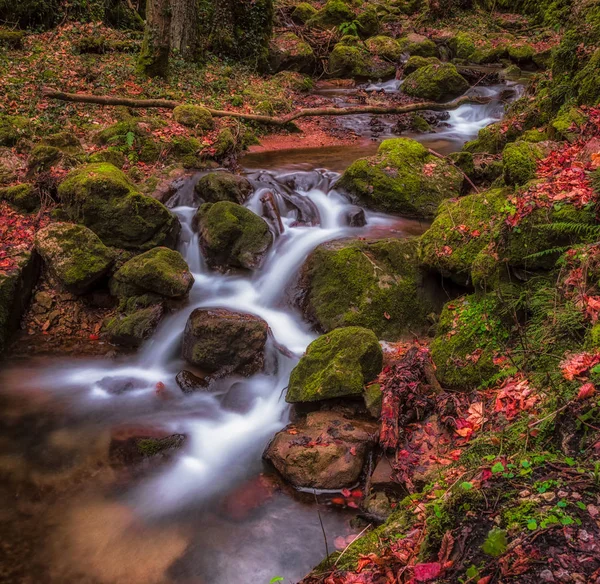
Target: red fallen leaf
(427,572)
(586,390)
(353,450)
(94,337)
(387,315)
(346,492)
(357,494)
(484,580)
(486,474)
(352,504)
(338,501)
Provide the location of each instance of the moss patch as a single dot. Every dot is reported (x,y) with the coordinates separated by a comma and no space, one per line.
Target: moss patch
(435,82)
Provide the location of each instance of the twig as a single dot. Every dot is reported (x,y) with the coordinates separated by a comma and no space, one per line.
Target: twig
(446,158)
(322,527)
(549,416)
(355,539)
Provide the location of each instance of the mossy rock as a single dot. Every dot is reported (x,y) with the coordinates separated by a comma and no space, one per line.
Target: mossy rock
(384,47)
(492,139)
(374,284)
(159,271)
(471,332)
(404,178)
(586,82)
(464,160)
(232,236)
(23,196)
(520,162)
(356,62)
(194,116)
(12,129)
(368,22)
(303,12)
(112,156)
(462,45)
(223,186)
(289,52)
(462,230)
(42,158)
(65,141)
(102,198)
(12,39)
(74,254)
(415,62)
(226,144)
(133,138)
(435,82)
(567,124)
(334,13)
(337,364)
(187,151)
(132,328)
(415,44)
(521,53)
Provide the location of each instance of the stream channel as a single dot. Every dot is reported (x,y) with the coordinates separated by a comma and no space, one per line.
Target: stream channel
(212,513)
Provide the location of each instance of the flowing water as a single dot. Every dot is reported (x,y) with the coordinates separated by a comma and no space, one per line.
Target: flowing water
(209,514)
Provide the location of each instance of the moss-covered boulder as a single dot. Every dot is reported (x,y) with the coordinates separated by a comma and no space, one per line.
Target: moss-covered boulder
(288,52)
(415,62)
(194,116)
(303,12)
(13,39)
(232,236)
(520,162)
(333,13)
(225,342)
(567,124)
(159,271)
(110,155)
(136,322)
(42,158)
(462,234)
(435,82)
(404,178)
(471,333)
(22,196)
(368,23)
(521,53)
(416,44)
(373,284)
(223,186)
(12,129)
(492,139)
(102,198)
(357,62)
(462,45)
(337,364)
(74,254)
(384,47)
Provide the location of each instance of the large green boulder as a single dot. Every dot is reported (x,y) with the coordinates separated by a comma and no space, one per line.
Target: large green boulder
(435,82)
(384,47)
(101,197)
(12,129)
(303,12)
(160,271)
(22,196)
(288,52)
(417,62)
(373,284)
(337,364)
(404,178)
(194,116)
(471,333)
(74,254)
(520,161)
(223,186)
(416,44)
(232,236)
(334,13)
(136,321)
(357,62)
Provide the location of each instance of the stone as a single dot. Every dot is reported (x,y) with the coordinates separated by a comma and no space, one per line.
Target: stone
(134,445)
(160,271)
(333,13)
(75,255)
(357,62)
(190,383)
(132,327)
(224,342)
(419,45)
(435,82)
(232,236)
(22,196)
(356,217)
(288,52)
(223,186)
(336,364)
(384,47)
(194,116)
(12,129)
(119,385)
(326,450)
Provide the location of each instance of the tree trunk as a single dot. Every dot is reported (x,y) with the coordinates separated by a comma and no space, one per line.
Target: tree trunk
(185,28)
(154,57)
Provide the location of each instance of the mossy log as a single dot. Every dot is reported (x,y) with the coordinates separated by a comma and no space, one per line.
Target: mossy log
(271,120)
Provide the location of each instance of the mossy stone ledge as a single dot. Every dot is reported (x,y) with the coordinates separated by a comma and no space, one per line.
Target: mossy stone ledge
(337,364)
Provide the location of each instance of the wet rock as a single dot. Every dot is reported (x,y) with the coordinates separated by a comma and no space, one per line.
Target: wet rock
(222,341)
(161,271)
(238,399)
(379,505)
(223,186)
(404,178)
(190,383)
(417,62)
(355,216)
(131,445)
(136,323)
(119,384)
(244,501)
(382,477)
(102,198)
(337,364)
(231,236)
(74,254)
(435,82)
(325,451)
(288,52)
(357,62)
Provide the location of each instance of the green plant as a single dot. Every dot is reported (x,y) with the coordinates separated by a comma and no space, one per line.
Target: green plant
(349,28)
(496,543)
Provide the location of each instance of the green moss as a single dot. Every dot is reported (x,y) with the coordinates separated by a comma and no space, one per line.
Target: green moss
(225,144)
(23,196)
(232,235)
(462,45)
(385,47)
(368,22)
(520,162)
(289,52)
(586,81)
(451,250)
(522,53)
(534,136)
(223,186)
(101,197)
(334,13)
(394,181)
(194,116)
(303,12)
(491,139)
(337,364)
(12,129)
(383,287)
(435,82)
(132,328)
(346,61)
(421,47)
(160,271)
(42,158)
(464,161)
(568,123)
(13,39)
(470,334)
(415,62)
(112,156)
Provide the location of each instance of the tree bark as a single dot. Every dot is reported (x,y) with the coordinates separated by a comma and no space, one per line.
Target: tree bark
(185,28)
(276,121)
(154,57)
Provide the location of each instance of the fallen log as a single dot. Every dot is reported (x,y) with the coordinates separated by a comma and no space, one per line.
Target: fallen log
(272,120)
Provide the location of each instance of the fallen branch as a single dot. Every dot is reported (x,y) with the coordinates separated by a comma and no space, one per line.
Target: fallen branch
(277,121)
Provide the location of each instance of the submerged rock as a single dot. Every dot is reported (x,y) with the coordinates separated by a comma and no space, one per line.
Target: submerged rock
(337,364)
(74,254)
(435,82)
(102,198)
(223,342)
(223,186)
(232,236)
(404,178)
(131,445)
(190,383)
(327,450)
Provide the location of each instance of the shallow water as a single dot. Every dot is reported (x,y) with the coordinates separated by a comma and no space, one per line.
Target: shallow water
(212,513)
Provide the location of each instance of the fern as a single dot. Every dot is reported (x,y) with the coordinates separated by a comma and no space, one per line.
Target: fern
(572,228)
(547,252)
